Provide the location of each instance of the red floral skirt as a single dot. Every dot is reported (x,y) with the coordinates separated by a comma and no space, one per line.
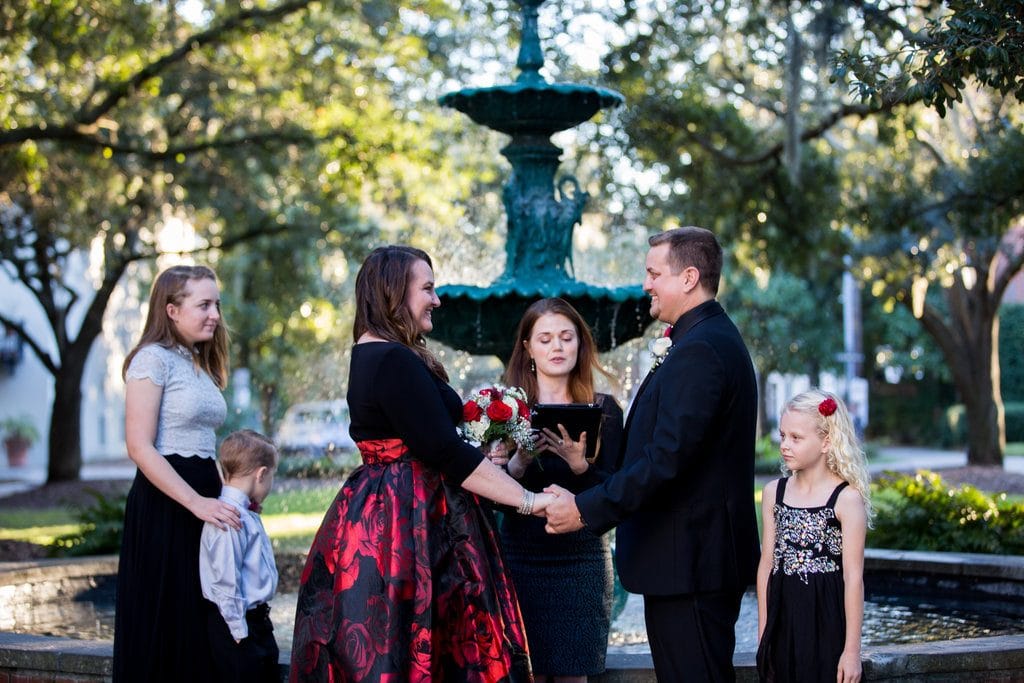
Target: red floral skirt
(405,582)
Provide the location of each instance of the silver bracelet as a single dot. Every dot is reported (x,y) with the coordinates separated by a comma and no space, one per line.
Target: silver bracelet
(526,506)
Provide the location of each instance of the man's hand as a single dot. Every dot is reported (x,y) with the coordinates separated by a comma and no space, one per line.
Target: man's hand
(562,513)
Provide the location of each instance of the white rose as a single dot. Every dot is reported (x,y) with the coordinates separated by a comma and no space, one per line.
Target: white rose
(511,403)
(660,346)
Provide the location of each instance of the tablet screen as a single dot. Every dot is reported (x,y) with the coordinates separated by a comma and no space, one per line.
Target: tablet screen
(575,417)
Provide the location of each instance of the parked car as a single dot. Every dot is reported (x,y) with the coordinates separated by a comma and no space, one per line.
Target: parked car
(316,429)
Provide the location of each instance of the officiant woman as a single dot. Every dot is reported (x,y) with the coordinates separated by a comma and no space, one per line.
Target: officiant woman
(564,582)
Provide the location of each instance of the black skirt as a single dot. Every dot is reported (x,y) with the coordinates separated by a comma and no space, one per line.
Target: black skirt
(160,621)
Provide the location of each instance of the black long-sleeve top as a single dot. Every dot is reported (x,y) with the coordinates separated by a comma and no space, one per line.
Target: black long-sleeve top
(548,468)
(392,394)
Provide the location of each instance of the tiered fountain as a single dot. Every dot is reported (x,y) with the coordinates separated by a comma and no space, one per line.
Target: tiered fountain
(542,213)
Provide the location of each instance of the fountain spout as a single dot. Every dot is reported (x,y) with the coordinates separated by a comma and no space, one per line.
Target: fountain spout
(542,212)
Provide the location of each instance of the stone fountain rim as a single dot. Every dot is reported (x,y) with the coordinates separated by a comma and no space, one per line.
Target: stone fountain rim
(541,289)
(918,660)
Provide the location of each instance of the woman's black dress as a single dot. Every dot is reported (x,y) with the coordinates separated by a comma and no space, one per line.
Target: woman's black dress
(564,582)
(405,579)
(805,625)
(159,632)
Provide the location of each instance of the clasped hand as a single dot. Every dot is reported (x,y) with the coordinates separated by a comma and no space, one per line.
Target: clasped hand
(558,505)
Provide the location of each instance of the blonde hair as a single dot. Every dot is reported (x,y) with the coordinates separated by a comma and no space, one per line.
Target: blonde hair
(845,458)
(246,451)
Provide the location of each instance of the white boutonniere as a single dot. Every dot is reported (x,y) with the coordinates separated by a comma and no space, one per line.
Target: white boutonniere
(659,349)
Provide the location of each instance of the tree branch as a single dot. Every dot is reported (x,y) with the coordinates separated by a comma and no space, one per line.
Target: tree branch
(20,330)
(211,36)
(822,126)
(83,121)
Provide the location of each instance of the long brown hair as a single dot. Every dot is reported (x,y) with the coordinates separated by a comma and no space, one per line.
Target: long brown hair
(520,373)
(171,287)
(381,287)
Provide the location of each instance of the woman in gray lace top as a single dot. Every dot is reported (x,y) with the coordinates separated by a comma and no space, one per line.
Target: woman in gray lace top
(173,405)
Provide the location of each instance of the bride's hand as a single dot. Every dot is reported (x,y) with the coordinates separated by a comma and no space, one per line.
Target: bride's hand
(541,502)
(574,453)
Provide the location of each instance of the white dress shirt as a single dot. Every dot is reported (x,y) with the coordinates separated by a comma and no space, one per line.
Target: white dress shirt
(236,566)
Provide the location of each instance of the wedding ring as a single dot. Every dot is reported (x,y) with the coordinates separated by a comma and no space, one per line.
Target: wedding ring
(561,442)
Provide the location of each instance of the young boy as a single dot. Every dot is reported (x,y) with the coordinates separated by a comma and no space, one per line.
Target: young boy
(237,569)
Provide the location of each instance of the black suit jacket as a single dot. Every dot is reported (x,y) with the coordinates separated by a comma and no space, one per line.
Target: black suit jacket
(683,500)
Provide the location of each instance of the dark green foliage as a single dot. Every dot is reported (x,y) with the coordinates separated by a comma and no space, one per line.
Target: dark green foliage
(311,467)
(921,512)
(766,456)
(954,432)
(1014,421)
(102,523)
(1011,354)
(913,411)
(962,41)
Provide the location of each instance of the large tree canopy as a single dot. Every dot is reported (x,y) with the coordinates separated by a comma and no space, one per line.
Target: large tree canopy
(735,120)
(122,122)
(932,51)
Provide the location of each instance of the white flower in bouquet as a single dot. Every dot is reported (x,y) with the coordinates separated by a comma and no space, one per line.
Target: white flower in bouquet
(497,412)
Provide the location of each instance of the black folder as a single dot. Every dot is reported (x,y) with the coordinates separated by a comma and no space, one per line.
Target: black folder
(575,417)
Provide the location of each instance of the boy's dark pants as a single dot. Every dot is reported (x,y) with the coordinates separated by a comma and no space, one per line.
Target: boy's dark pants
(254,660)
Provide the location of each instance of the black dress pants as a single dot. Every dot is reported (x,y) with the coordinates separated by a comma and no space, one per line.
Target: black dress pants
(254,659)
(693,636)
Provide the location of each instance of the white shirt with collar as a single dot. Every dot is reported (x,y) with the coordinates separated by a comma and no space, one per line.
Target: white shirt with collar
(236,566)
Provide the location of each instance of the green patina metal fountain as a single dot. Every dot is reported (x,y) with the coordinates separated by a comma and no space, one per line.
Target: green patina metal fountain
(538,249)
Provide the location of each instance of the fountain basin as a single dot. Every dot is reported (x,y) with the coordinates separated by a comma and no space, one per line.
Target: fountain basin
(999,658)
(536,108)
(485,318)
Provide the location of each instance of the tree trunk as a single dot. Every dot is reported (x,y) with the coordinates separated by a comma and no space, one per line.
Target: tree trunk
(65,439)
(986,431)
(969,343)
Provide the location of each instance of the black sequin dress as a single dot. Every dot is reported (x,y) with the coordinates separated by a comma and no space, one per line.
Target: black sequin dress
(805,628)
(564,581)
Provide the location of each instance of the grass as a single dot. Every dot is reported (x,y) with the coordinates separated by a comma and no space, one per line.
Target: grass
(291,519)
(36,526)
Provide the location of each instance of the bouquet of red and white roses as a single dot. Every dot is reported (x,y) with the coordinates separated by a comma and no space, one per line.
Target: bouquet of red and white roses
(497,413)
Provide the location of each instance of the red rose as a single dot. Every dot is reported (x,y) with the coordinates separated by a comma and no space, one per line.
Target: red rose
(524,410)
(357,649)
(422,653)
(828,406)
(478,643)
(471,412)
(377,623)
(498,411)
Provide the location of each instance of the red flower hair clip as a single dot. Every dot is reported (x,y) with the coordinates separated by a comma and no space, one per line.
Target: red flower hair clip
(828,406)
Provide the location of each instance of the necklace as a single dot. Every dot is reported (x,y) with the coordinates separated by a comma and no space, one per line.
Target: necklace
(183,352)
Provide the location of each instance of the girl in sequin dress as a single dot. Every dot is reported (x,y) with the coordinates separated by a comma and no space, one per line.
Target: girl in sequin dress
(810,587)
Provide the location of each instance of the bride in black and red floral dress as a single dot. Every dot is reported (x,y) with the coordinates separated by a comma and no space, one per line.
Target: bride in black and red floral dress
(405,579)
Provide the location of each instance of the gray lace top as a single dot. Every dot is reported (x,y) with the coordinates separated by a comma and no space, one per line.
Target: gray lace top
(192,406)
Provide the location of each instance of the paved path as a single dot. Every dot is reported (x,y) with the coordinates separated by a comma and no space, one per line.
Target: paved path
(904,458)
(17,479)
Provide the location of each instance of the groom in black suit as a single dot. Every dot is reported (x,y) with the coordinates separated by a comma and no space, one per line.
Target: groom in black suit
(683,500)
